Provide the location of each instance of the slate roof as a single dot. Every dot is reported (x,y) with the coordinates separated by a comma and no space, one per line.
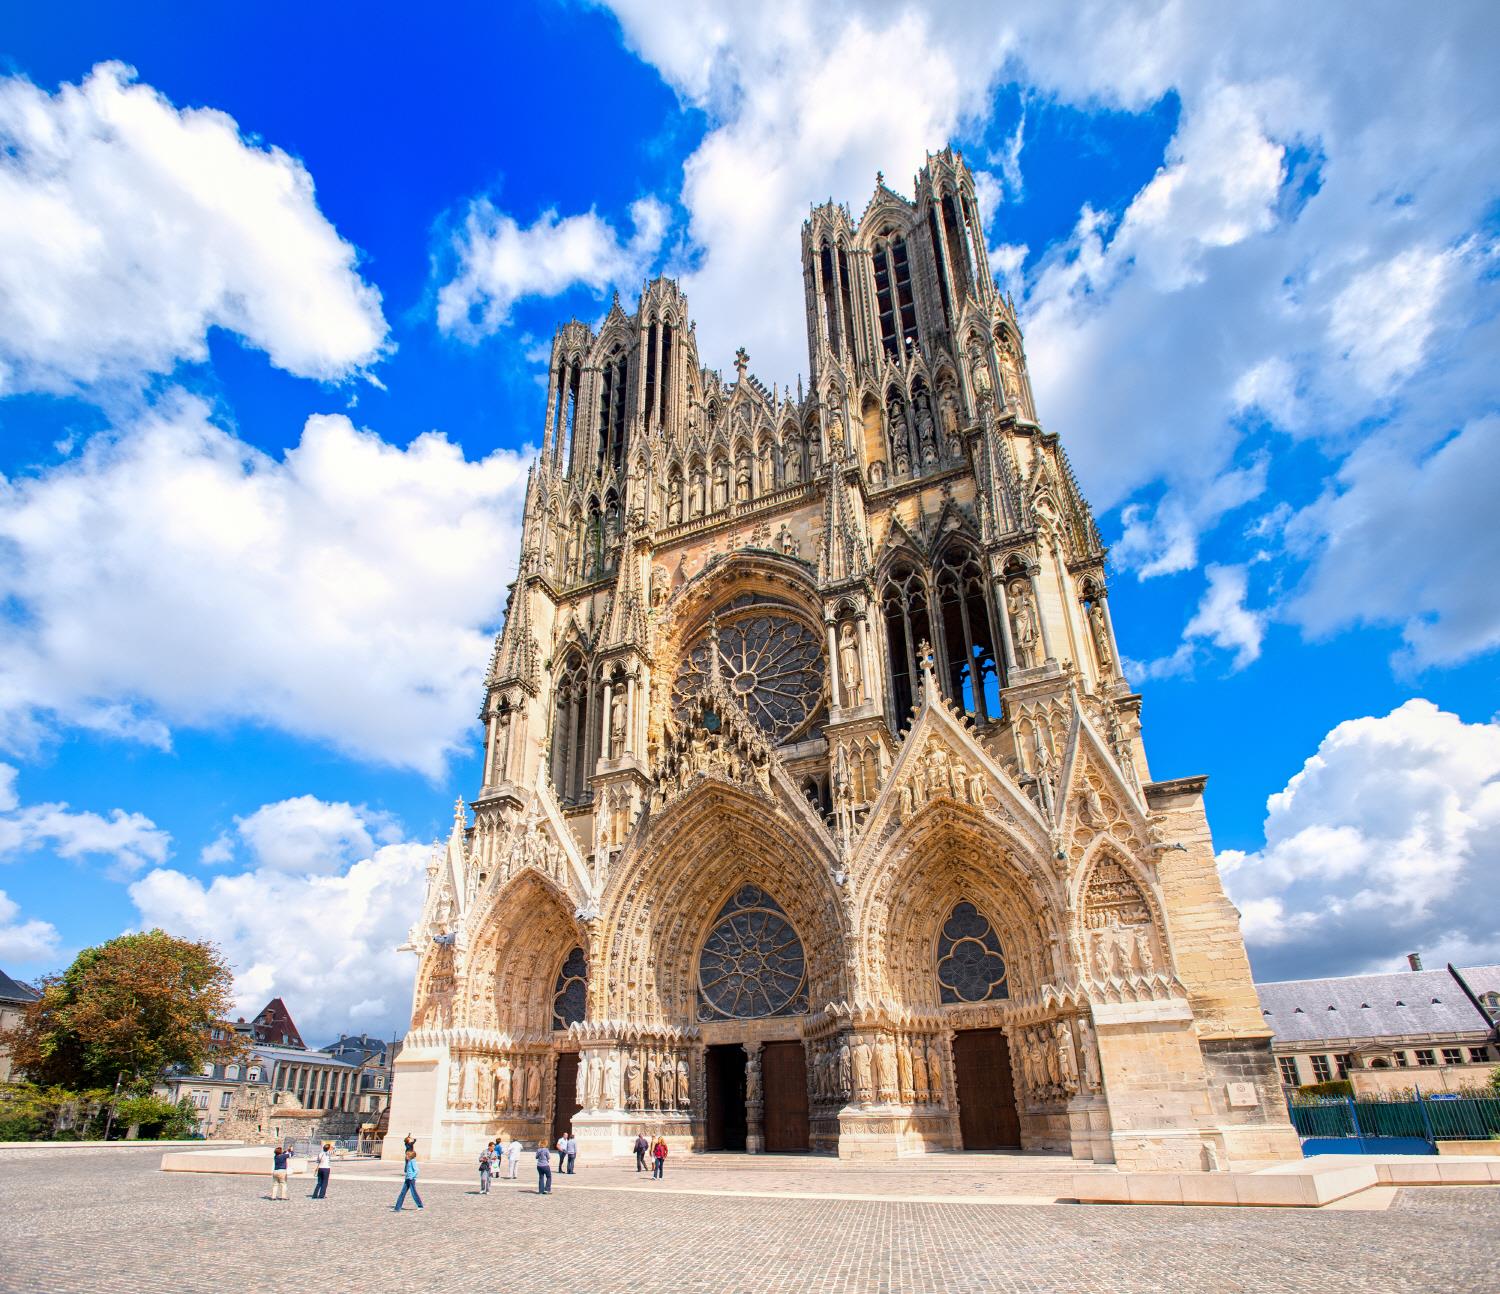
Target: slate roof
(12,990)
(1397,1004)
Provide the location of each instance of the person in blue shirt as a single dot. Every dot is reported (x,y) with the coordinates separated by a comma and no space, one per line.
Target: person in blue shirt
(410,1182)
(281,1163)
(543,1170)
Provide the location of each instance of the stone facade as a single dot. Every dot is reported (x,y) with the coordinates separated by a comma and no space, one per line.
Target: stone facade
(815,809)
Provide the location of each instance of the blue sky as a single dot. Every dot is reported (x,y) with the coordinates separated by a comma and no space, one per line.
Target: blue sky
(273,310)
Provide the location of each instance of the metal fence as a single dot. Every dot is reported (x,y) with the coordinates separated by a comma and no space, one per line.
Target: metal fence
(1409,1125)
(342,1147)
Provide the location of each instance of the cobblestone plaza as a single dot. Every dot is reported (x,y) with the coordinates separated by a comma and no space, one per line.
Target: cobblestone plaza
(107,1221)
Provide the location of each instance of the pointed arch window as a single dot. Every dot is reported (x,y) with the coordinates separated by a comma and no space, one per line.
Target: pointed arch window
(904,601)
(971,963)
(570,731)
(752,964)
(971,672)
(570,995)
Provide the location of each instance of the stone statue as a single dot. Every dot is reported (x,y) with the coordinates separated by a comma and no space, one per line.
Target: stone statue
(926,440)
(617,707)
(674,502)
(610,1096)
(844,1074)
(684,1091)
(502,1084)
(935,1071)
(695,494)
(742,479)
(1100,632)
(792,459)
(653,1073)
(862,1071)
(882,1076)
(1023,625)
(752,1076)
(903,1070)
(849,671)
(721,484)
(918,1061)
(633,1084)
(533,1086)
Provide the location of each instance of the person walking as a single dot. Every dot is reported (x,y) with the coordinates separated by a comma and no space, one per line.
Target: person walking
(659,1159)
(281,1159)
(572,1151)
(562,1153)
(486,1167)
(325,1167)
(409,1182)
(543,1169)
(513,1156)
(641,1147)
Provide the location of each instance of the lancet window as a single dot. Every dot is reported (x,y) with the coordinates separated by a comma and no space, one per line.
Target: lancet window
(612,412)
(830,301)
(971,963)
(893,296)
(905,603)
(565,411)
(570,731)
(570,995)
(970,670)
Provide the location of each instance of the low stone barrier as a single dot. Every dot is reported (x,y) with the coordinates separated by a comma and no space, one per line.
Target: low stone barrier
(250,1160)
(141,1144)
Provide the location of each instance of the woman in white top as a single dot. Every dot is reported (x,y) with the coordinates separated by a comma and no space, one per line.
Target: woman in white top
(513,1155)
(325,1166)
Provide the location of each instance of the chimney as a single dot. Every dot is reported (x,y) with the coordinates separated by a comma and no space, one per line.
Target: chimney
(1414,960)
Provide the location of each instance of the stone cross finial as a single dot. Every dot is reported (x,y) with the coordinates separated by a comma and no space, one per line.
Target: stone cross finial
(879,178)
(741,363)
(924,658)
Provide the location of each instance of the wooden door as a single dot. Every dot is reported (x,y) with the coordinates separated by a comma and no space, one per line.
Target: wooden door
(567,1104)
(783,1076)
(987,1114)
(724,1126)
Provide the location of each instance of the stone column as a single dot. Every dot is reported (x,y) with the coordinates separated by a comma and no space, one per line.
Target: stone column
(837,696)
(604,749)
(489,751)
(1007,644)
(755,1136)
(1048,656)
(874,683)
(950,1088)
(629,715)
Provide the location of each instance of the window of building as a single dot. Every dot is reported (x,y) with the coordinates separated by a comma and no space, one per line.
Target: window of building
(254,1074)
(971,675)
(1289,1074)
(224,1099)
(904,602)
(1425,1057)
(1343,1063)
(200,1099)
(1479,1055)
(216,1034)
(1322,1071)
(1400,1058)
(208,1071)
(971,964)
(1453,1055)
(233,1072)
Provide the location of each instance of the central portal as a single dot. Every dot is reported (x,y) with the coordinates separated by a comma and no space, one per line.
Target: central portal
(724,1070)
(987,1115)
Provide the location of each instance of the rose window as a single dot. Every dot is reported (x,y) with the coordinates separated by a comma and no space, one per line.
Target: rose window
(752,963)
(772,664)
(971,965)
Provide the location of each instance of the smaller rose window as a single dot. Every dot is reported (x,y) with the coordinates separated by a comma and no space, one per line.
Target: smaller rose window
(971,965)
(752,964)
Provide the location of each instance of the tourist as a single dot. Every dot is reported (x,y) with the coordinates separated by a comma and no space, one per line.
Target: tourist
(562,1153)
(325,1167)
(641,1147)
(486,1167)
(572,1151)
(659,1158)
(411,1143)
(513,1156)
(409,1182)
(543,1169)
(281,1159)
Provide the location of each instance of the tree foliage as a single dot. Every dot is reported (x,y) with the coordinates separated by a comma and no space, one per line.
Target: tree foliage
(125,1011)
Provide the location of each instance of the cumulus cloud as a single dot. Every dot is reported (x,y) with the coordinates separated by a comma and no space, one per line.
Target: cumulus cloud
(129,841)
(129,228)
(1310,254)
(323,938)
(25,943)
(497,262)
(1383,843)
(1222,619)
(172,574)
(307,835)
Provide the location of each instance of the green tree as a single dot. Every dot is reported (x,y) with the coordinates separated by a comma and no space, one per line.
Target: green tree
(124,1012)
(1495,1080)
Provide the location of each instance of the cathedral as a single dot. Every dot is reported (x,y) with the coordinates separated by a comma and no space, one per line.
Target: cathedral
(816,813)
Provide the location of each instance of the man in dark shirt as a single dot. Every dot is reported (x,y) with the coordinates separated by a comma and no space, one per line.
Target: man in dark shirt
(641,1147)
(543,1170)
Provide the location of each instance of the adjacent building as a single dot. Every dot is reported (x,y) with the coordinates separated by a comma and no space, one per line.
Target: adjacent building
(15,997)
(1430,1030)
(277,1090)
(815,810)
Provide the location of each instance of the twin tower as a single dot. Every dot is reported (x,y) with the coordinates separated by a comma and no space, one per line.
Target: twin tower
(815,812)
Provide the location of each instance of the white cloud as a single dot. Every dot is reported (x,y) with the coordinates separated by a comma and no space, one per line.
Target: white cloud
(130,840)
(1222,619)
(308,835)
(25,943)
(322,939)
(1310,248)
(129,228)
(1387,841)
(173,574)
(498,262)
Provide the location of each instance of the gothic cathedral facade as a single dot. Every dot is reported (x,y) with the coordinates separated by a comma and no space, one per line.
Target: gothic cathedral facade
(815,811)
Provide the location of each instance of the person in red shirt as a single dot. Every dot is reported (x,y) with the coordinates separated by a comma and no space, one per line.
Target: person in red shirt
(658,1158)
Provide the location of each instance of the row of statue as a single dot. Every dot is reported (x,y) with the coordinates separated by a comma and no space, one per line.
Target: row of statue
(938,773)
(1119,951)
(504,1084)
(637,1079)
(697,752)
(887,1069)
(1048,1067)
